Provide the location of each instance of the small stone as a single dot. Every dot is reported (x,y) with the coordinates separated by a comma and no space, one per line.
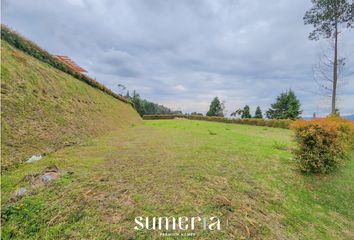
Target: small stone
(46,178)
(34,158)
(20,192)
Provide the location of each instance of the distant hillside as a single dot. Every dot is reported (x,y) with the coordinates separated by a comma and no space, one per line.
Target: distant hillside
(351,117)
(44,108)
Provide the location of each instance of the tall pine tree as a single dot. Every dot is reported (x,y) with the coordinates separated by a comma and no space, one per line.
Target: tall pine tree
(328,17)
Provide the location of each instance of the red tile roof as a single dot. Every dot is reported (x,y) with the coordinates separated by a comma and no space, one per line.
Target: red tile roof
(70,63)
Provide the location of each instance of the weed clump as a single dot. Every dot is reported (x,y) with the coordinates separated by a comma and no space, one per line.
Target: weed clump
(211,132)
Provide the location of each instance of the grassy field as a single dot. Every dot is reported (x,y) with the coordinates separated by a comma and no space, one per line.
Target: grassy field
(44,109)
(242,174)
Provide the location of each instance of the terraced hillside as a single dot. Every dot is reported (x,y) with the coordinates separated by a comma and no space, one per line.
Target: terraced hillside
(45,109)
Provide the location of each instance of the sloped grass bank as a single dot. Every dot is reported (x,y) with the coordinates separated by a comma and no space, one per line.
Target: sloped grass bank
(242,174)
(44,109)
(17,41)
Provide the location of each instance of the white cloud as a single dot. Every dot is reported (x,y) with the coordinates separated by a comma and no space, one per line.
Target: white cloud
(180,88)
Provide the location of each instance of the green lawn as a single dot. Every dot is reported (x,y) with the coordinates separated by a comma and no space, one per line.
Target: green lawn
(242,174)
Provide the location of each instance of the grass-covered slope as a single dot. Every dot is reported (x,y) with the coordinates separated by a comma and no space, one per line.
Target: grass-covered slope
(44,109)
(32,49)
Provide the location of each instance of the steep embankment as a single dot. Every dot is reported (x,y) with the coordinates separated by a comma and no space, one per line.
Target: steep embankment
(44,109)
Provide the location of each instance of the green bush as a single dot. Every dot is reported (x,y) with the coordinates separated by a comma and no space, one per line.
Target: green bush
(322,144)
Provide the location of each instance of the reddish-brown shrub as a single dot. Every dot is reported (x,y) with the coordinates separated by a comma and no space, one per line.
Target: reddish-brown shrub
(322,144)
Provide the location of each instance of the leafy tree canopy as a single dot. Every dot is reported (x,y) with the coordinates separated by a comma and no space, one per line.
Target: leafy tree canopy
(246,112)
(145,107)
(287,106)
(327,15)
(258,113)
(243,113)
(216,108)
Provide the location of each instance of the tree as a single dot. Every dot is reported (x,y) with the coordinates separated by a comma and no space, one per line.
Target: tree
(237,112)
(196,113)
(121,89)
(216,108)
(328,17)
(138,103)
(244,113)
(258,113)
(287,106)
(145,107)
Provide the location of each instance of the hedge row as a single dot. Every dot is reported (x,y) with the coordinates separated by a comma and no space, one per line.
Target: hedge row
(277,123)
(34,50)
(322,144)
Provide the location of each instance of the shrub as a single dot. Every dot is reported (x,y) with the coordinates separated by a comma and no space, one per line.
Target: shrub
(322,144)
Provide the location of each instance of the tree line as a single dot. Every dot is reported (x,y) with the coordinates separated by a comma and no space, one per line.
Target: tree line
(286,106)
(145,107)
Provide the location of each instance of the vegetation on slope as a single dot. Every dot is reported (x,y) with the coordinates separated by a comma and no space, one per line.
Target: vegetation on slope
(243,174)
(35,51)
(44,109)
(145,107)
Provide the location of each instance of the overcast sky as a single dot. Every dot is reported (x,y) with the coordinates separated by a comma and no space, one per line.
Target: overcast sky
(182,53)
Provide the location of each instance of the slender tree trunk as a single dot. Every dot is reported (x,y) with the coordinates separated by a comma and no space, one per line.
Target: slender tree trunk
(335,71)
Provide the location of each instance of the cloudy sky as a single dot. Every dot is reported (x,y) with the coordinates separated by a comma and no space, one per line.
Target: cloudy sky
(182,53)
